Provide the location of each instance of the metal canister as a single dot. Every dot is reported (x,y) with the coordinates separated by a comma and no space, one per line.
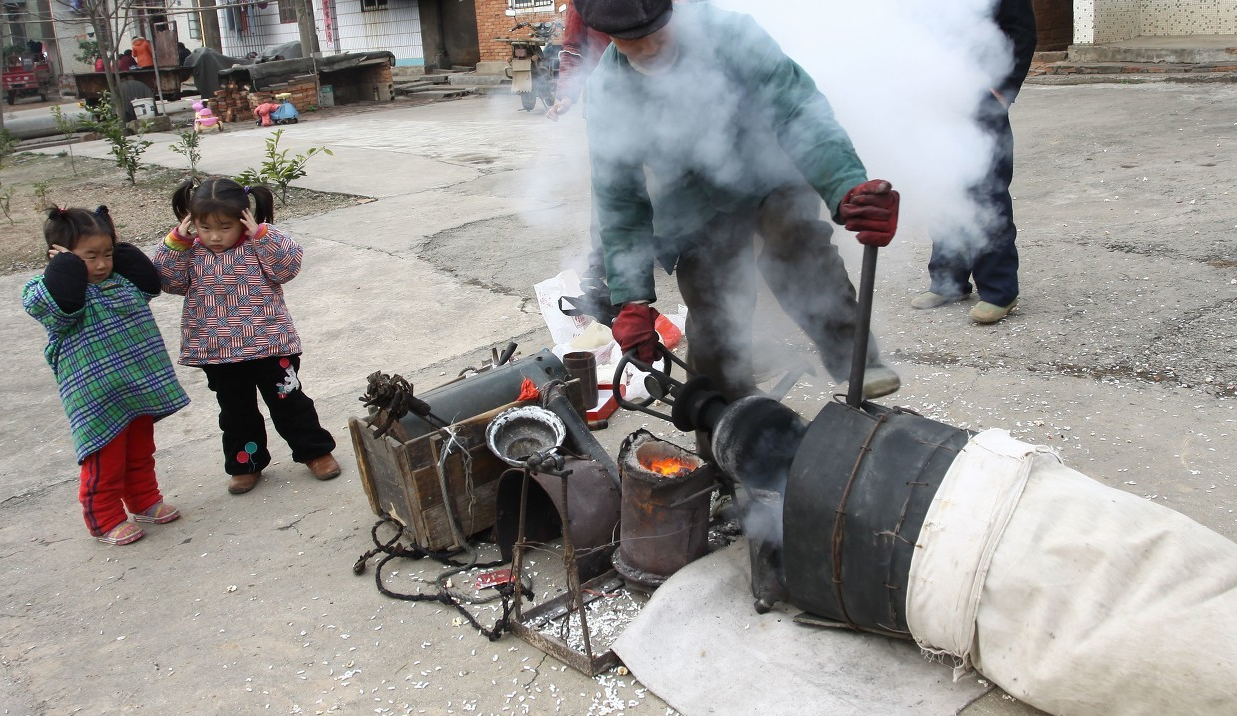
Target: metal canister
(665,517)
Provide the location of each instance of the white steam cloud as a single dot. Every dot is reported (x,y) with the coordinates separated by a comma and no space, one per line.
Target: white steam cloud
(904,78)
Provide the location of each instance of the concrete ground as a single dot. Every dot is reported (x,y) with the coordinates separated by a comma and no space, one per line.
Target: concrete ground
(1120,355)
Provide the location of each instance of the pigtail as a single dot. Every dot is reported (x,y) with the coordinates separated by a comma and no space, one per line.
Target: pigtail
(103,219)
(58,230)
(263,204)
(181,198)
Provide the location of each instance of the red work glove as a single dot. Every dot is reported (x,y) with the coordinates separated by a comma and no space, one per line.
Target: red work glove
(871,210)
(634,328)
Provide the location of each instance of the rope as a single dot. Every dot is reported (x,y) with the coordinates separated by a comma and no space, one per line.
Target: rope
(392,549)
(453,440)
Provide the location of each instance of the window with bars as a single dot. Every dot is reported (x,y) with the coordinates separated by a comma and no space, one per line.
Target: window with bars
(371,5)
(529,4)
(287,11)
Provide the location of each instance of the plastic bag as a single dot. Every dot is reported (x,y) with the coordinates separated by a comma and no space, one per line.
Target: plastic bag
(562,327)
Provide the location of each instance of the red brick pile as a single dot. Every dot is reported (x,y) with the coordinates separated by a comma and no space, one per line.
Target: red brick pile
(236,103)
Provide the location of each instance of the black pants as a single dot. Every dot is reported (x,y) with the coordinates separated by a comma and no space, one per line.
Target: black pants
(802,268)
(982,250)
(236,387)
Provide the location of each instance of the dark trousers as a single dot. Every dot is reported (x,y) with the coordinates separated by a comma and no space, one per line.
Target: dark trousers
(982,250)
(237,386)
(717,277)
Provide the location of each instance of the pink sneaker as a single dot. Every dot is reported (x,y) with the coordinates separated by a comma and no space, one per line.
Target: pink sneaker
(159,513)
(123,533)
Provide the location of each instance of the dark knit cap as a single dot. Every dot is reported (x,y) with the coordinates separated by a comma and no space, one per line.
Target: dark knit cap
(625,19)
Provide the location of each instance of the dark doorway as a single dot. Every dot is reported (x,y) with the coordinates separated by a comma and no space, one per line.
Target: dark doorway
(449,34)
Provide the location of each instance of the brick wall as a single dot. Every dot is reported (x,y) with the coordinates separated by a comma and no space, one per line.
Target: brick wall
(492,21)
(1054,23)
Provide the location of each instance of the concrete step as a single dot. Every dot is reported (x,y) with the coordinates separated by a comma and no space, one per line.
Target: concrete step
(504,89)
(475,80)
(1145,71)
(422,81)
(452,93)
(1148,52)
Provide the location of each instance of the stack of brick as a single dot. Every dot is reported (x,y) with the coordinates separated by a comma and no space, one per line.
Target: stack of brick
(304,91)
(230,103)
(236,103)
(382,75)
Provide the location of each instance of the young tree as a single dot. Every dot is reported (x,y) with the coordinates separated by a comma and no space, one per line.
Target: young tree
(109,19)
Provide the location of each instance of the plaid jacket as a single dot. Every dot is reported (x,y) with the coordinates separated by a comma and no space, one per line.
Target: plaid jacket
(234,306)
(108,358)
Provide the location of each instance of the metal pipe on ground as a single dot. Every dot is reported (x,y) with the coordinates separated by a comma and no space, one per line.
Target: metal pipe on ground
(35,124)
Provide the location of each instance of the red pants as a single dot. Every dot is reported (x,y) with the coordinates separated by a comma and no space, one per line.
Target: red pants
(120,475)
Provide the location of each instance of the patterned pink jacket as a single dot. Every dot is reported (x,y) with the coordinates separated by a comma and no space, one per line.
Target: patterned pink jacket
(234,306)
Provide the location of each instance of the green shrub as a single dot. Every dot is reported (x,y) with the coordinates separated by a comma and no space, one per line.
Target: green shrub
(278,170)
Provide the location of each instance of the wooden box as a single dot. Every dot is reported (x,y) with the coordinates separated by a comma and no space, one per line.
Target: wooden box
(401,478)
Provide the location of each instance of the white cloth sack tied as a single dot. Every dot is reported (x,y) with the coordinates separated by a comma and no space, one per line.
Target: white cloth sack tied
(1077,598)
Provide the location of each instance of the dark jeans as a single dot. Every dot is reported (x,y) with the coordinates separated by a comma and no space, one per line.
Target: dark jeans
(237,386)
(982,250)
(717,277)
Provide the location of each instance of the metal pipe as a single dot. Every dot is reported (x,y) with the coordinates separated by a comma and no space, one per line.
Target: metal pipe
(554,398)
(863,325)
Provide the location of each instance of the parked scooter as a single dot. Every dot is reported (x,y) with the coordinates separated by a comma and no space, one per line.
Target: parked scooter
(533,65)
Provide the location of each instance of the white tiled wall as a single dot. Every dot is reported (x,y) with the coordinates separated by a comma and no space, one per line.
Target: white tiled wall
(396,28)
(1100,21)
(1084,22)
(1188,17)
(1116,19)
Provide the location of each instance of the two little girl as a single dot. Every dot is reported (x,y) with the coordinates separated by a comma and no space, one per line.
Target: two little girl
(111,365)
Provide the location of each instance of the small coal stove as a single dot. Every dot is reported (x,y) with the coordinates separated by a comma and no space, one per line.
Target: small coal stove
(665,509)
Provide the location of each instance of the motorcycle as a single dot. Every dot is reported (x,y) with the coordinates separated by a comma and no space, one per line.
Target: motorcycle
(533,65)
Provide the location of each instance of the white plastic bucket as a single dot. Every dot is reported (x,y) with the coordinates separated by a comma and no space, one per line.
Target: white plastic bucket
(143,108)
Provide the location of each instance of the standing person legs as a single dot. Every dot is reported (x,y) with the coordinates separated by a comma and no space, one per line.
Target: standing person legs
(141,489)
(809,280)
(293,413)
(142,495)
(995,269)
(982,247)
(244,429)
(716,278)
(117,476)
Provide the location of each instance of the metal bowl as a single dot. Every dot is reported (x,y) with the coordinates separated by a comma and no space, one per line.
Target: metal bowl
(519,433)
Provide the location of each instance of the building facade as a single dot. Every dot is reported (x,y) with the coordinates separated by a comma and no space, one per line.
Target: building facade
(341,26)
(1100,21)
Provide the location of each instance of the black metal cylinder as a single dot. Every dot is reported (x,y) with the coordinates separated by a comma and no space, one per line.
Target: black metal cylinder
(476,394)
(859,490)
(582,366)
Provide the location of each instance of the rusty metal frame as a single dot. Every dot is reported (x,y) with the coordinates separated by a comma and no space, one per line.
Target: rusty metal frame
(572,602)
(586,662)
